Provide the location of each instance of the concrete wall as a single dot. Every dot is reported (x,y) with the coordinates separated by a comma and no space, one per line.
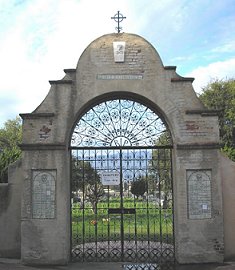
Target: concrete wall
(227,168)
(10,213)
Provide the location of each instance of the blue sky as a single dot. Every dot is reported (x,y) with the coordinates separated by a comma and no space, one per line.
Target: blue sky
(40,38)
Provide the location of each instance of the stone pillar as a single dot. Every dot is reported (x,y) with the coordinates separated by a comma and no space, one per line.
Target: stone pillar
(45,215)
(198,205)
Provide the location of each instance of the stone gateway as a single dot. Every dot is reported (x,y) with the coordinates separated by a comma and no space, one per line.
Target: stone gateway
(120,112)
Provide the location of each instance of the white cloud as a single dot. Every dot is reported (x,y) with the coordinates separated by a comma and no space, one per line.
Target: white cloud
(225,47)
(46,37)
(218,70)
(40,38)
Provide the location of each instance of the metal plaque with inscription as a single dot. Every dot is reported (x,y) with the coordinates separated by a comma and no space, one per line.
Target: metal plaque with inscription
(43,194)
(199,194)
(110,178)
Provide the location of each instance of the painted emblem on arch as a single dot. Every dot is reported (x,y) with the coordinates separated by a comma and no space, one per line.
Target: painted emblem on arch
(44,132)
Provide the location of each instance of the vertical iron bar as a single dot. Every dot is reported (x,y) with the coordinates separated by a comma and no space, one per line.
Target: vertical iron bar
(121,206)
(147,201)
(77,231)
(71,205)
(172,205)
(83,208)
(96,204)
(160,204)
(136,232)
(108,208)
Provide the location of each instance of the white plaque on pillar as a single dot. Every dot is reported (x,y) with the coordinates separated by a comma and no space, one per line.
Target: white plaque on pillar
(119,50)
(199,194)
(44,194)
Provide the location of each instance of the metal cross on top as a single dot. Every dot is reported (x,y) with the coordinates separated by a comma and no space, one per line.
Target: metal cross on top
(118,18)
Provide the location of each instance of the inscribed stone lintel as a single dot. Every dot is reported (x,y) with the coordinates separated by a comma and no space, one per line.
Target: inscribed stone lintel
(43,194)
(119,77)
(199,194)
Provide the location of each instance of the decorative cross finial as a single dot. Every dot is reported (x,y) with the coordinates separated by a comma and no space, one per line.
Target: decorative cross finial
(118,18)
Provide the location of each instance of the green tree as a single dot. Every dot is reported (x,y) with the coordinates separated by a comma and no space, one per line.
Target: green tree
(159,169)
(220,95)
(160,173)
(82,174)
(10,138)
(86,179)
(139,187)
(94,192)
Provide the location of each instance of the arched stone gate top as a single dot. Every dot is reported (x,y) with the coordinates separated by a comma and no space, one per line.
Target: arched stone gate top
(121,66)
(139,75)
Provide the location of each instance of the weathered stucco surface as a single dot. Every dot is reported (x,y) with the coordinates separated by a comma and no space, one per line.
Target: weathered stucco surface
(47,134)
(227,168)
(10,208)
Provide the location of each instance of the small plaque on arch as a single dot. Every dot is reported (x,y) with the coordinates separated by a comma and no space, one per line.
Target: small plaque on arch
(119,50)
(44,194)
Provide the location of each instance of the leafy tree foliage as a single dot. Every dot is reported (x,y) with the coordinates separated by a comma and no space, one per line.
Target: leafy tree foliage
(94,192)
(220,95)
(164,139)
(86,179)
(139,187)
(10,137)
(82,174)
(159,177)
(160,172)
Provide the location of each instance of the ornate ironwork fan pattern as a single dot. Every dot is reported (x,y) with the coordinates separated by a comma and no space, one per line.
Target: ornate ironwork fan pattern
(120,122)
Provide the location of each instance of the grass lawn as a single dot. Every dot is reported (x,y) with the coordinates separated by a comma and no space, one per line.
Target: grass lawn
(149,223)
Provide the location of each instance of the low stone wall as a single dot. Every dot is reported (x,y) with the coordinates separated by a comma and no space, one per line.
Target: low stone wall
(228,185)
(10,213)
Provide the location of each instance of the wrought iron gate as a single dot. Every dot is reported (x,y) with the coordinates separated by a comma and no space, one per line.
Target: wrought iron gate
(121,205)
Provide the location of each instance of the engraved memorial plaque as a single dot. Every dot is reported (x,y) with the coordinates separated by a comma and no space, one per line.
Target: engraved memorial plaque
(199,194)
(43,194)
(119,51)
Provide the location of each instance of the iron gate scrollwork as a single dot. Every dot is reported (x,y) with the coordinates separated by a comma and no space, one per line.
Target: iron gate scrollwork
(122,201)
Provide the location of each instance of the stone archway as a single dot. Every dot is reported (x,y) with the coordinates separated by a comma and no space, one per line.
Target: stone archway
(120,150)
(45,168)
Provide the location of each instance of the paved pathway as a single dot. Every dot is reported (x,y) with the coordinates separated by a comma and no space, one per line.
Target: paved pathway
(9,264)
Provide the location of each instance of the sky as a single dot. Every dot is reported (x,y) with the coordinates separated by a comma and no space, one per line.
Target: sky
(41,38)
